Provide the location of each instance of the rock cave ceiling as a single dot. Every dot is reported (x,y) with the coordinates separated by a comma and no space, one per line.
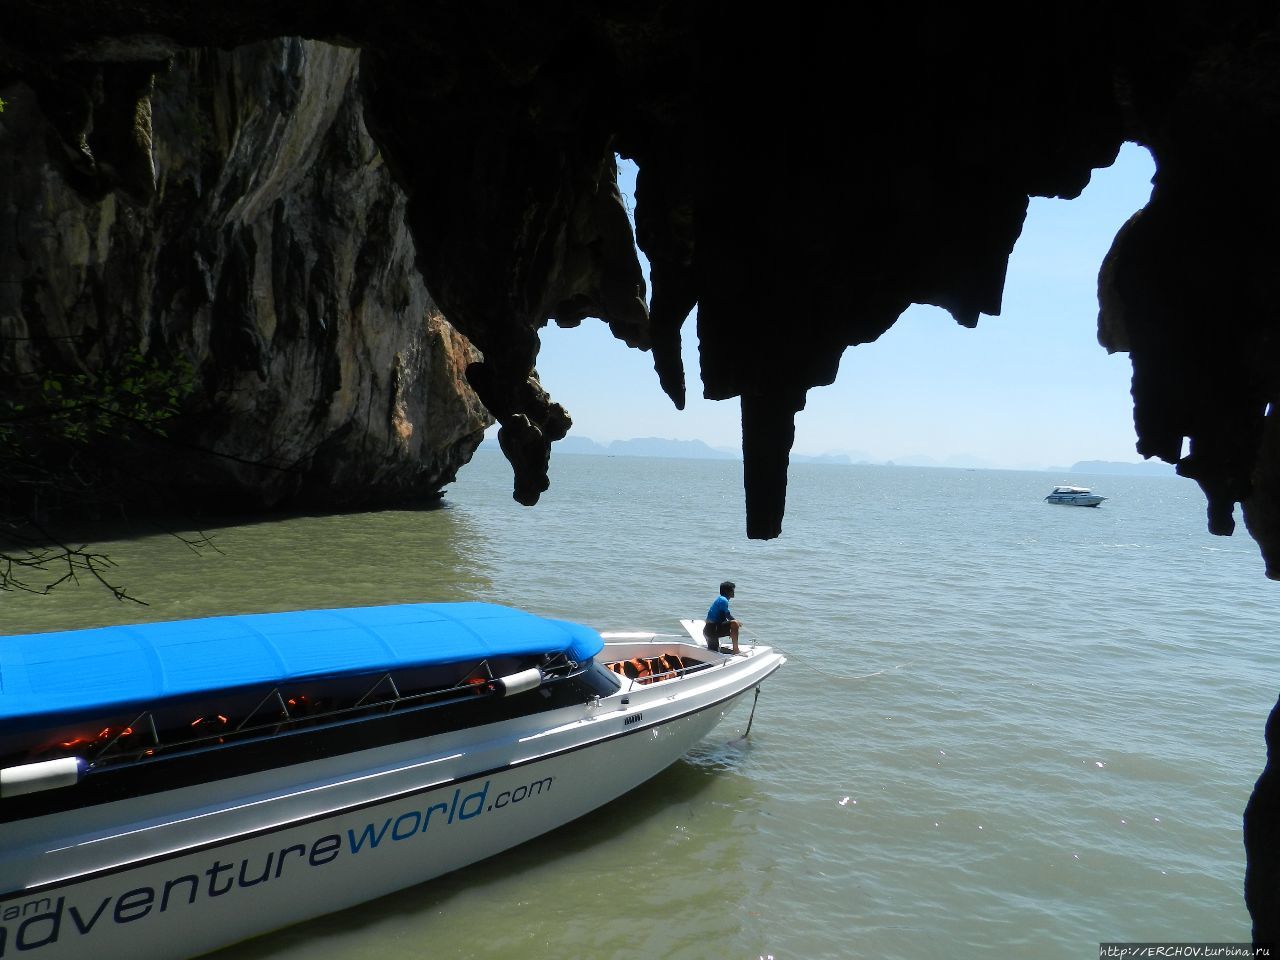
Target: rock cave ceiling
(802,179)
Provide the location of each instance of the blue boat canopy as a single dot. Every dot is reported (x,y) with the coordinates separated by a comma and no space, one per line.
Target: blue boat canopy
(96,670)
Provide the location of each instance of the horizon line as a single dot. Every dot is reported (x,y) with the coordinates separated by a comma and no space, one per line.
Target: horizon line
(698,449)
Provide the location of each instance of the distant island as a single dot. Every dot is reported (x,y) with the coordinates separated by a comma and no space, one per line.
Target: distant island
(700,450)
(675,449)
(646,447)
(1151,468)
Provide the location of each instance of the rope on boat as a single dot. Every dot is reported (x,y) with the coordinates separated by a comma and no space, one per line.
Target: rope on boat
(749,636)
(747,733)
(847,679)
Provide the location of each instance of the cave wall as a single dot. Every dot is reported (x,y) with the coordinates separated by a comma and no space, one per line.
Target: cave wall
(802,179)
(1189,289)
(249,227)
(804,175)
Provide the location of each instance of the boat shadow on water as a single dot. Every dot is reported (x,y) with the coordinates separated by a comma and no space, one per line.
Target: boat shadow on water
(681,787)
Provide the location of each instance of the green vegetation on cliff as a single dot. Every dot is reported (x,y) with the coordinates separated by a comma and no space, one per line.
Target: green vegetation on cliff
(51,431)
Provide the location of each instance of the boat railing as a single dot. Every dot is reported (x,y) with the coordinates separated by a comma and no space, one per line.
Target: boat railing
(277,713)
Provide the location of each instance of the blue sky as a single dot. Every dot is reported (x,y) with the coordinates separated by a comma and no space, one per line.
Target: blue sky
(1030,388)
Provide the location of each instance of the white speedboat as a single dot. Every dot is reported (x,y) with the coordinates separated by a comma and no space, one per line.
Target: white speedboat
(1074,496)
(170,788)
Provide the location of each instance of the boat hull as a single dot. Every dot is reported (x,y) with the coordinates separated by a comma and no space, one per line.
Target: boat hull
(167,876)
(1078,500)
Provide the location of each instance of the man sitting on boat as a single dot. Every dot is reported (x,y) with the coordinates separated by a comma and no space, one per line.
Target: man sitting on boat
(720,621)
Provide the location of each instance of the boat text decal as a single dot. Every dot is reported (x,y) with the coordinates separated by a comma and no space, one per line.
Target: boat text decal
(42,921)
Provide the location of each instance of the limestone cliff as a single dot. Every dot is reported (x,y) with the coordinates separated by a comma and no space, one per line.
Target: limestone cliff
(260,240)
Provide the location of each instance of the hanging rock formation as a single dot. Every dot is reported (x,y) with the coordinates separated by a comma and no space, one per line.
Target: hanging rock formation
(804,176)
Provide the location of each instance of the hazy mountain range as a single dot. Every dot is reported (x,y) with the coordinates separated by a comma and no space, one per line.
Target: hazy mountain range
(699,450)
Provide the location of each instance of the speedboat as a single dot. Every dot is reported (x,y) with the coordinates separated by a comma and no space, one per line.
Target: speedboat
(167,789)
(1074,496)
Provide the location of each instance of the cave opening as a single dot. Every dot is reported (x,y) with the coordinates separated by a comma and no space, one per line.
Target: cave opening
(927,391)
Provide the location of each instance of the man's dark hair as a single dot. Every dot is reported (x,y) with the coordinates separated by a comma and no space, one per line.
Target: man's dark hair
(727,587)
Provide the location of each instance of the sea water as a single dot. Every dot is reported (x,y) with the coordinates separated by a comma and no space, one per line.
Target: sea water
(1006,728)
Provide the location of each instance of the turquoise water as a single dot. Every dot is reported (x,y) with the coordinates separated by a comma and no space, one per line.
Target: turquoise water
(1004,725)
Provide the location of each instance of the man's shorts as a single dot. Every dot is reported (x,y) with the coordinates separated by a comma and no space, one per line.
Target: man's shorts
(716,630)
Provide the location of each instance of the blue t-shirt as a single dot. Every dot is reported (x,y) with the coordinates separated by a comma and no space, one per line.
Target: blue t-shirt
(719,611)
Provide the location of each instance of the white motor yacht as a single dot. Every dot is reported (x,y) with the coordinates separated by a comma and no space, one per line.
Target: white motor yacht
(1074,496)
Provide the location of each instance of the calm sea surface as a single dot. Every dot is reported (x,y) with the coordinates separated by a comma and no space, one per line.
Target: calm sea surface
(1006,728)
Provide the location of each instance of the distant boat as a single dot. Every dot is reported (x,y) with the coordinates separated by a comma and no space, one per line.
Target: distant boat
(1074,496)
